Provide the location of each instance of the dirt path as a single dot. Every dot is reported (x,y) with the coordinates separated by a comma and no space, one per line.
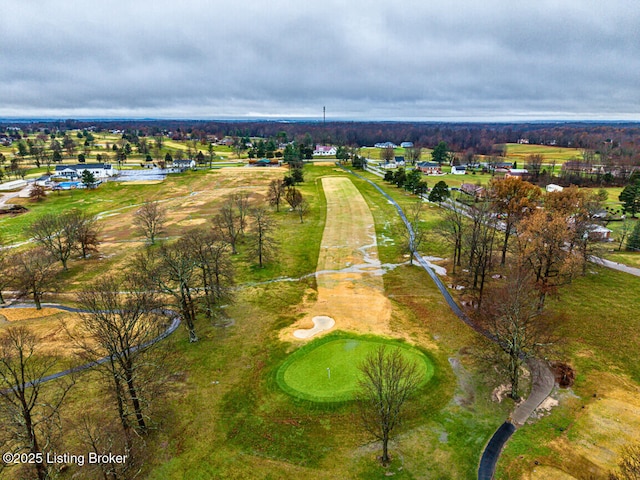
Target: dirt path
(349,273)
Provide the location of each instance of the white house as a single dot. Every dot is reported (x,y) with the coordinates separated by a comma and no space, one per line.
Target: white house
(182,165)
(99,170)
(325,150)
(385,145)
(459,169)
(406,145)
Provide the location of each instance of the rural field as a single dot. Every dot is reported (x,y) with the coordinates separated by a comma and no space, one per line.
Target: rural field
(268,393)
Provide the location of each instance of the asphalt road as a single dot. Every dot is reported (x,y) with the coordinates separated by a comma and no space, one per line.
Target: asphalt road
(493,449)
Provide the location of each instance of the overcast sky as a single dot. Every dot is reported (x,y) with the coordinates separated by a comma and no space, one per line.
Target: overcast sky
(362,59)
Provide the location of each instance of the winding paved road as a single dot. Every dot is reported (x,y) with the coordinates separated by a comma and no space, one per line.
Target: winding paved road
(543,379)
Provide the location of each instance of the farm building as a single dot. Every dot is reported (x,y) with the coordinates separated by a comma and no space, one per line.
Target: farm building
(459,169)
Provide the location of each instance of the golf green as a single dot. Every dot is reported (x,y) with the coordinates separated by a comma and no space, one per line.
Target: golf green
(327,370)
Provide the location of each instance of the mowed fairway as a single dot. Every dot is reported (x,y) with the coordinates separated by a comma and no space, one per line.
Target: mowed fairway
(327,370)
(349,273)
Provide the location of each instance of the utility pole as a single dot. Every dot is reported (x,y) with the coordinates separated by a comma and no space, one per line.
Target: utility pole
(324,115)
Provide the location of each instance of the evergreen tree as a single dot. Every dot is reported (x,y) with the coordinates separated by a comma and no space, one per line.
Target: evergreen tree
(633,243)
(440,192)
(440,153)
(630,198)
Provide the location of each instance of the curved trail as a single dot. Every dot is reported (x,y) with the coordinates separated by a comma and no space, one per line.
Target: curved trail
(175,322)
(543,379)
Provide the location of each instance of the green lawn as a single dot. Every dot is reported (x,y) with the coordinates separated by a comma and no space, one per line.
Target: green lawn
(327,370)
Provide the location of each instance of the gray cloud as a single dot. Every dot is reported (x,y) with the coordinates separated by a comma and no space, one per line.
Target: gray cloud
(362,59)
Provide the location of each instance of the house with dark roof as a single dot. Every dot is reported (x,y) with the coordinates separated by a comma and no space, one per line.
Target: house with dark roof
(429,168)
(476,191)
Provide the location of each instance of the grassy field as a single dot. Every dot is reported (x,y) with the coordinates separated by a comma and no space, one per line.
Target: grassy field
(224,414)
(519,152)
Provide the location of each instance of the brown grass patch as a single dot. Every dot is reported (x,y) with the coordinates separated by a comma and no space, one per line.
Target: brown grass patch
(608,421)
(47,325)
(548,473)
(18,314)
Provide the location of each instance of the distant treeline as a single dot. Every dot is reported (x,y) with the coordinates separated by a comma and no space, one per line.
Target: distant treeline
(460,137)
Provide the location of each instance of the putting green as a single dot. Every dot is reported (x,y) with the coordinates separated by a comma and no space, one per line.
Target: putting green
(327,370)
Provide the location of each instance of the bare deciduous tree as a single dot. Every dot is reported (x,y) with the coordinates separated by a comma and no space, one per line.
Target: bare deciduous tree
(34,271)
(478,244)
(388,380)
(413,154)
(98,435)
(413,239)
(121,319)
(87,231)
(30,419)
(228,224)
(276,193)
(150,220)
(387,154)
(212,256)
(241,201)
(301,208)
(452,228)
(57,234)
(172,269)
(263,242)
(512,315)
(293,197)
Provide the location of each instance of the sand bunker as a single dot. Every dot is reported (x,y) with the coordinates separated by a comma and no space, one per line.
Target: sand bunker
(349,272)
(320,324)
